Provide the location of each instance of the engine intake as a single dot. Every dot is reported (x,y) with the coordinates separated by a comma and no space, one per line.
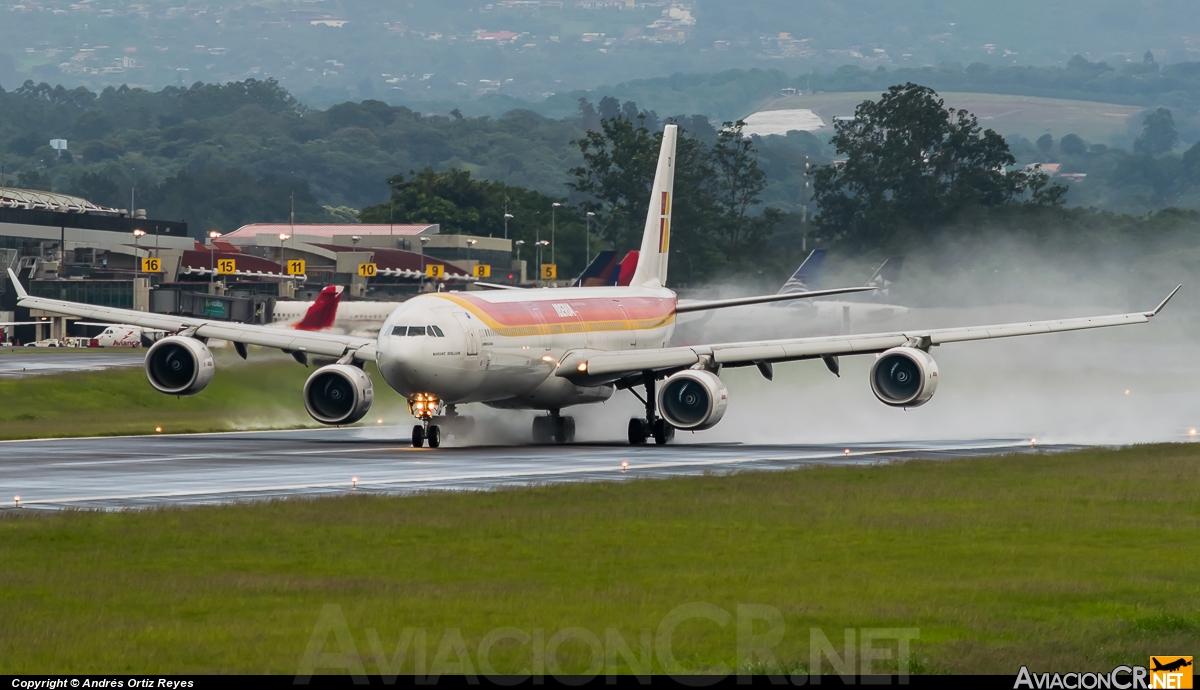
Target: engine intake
(338,394)
(693,400)
(178,365)
(904,377)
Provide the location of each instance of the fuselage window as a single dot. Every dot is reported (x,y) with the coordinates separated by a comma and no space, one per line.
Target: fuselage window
(399,330)
(416,330)
(437,332)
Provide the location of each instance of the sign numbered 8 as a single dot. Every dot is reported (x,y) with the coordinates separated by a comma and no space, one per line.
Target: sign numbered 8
(482,271)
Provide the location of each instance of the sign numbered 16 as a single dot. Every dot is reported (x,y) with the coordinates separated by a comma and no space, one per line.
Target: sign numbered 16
(295,267)
(367,270)
(226,266)
(152,265)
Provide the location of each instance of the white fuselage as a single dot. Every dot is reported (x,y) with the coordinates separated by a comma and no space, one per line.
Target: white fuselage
(353,318)
(502,347)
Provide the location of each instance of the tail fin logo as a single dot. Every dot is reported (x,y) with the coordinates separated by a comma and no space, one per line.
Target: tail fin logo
(323,311)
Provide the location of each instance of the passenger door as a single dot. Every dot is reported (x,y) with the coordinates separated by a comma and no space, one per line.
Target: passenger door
(468,325)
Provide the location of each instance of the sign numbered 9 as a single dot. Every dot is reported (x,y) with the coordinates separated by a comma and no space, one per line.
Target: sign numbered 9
(435,271)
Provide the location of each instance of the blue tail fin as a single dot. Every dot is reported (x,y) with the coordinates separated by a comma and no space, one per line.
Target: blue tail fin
(806,276)
(602,271)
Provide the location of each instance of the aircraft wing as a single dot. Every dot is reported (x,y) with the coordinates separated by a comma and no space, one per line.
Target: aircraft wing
(685,306)
(323,344)
(5,324)
(594,367)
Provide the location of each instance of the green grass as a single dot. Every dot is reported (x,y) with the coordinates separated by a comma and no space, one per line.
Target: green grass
(262,393)
(1066,561)
(1026,115)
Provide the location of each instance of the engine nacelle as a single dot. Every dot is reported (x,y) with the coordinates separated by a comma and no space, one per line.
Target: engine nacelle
(904,377)
(178,365)
(692,400)
(338,394)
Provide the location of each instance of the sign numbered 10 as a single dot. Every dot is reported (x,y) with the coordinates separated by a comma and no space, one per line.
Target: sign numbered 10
(226,267)
(367,270)
(295,267)
(152,265)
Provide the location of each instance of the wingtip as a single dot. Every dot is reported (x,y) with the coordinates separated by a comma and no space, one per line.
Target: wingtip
(21,294)
(1164,302)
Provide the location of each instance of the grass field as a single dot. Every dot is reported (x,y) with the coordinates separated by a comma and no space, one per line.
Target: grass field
(265,393)
(1068,561)
(1026,115)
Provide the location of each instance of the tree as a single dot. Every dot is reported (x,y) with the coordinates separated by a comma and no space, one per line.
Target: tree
(910,163)
(737,185)
(1159,135)
(1073,145)
(1045,143)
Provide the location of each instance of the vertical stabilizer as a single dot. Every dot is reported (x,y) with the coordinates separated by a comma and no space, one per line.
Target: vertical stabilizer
(656,239)
(323,311)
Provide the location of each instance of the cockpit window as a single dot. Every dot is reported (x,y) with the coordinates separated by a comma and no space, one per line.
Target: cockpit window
(399,330)
(416,330)
(437,331)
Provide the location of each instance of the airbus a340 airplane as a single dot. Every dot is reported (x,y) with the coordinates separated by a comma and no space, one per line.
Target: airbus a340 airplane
(548,349)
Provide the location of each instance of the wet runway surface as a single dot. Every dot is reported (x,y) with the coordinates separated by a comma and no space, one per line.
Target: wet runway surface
(33,361)
(144,471)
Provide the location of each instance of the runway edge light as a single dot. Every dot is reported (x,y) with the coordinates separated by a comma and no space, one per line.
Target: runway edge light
(17,499)
(624,465)
(354,483)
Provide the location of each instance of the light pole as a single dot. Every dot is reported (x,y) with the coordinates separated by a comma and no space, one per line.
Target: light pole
(507,216)
(519,244)
(283,237)
(470,243)
(540,244)
(424,241)
(553,208)
(212,255)
(137,259)
(587,240)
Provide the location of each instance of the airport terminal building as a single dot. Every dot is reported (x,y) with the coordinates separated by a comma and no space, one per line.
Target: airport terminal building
(69,248)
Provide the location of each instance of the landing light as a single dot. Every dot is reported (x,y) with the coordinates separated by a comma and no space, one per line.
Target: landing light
(547,358)
(1126,391)
(582,366)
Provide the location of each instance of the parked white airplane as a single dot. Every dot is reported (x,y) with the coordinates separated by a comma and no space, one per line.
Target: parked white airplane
(329,313)
(547,349)
(124,335)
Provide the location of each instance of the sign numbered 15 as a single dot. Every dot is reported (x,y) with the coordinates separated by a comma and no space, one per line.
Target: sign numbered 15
(152,265)
(295,267)
(367,270)
(226,266)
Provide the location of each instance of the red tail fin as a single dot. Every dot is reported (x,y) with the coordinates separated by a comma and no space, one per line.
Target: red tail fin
(628,266)
(323,311)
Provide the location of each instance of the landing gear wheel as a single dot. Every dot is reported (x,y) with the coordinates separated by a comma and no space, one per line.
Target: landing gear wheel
(637,431)
(663,432)
(434,434)
(564,429)
(418,436)
(543,429)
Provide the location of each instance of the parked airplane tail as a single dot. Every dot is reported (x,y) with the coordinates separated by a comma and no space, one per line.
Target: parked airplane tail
(628,267)
(887,273)
(603,270)
(656,238)
(805,277)
(323,310)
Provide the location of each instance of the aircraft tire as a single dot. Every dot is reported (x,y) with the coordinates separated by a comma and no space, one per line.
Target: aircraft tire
(564,431)
(637,432)
(664,433)
(543,429)
(434,435)
(418,436)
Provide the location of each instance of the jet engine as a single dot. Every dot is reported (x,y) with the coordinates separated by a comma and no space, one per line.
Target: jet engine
(178,365)
(338,394)
(904,377)
(692,400)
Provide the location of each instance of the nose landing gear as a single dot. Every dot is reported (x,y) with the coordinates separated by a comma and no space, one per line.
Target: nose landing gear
(424,406)
(426,432)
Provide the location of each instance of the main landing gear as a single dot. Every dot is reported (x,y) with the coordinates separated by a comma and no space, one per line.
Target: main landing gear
(553,428)
(652,426)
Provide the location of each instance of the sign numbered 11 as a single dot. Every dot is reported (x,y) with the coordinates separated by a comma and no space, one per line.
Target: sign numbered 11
(226,267)
(152,265)
(367,270)
(482,271)
(295,267)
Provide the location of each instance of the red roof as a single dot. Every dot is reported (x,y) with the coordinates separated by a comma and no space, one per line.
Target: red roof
(329,229)
(245,262)
(398,259)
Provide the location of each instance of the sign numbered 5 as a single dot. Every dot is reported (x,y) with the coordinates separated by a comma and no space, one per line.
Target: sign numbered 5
(549,271)
(226,266)
(367,270)
(295,267)
(482,271)
(152,265)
